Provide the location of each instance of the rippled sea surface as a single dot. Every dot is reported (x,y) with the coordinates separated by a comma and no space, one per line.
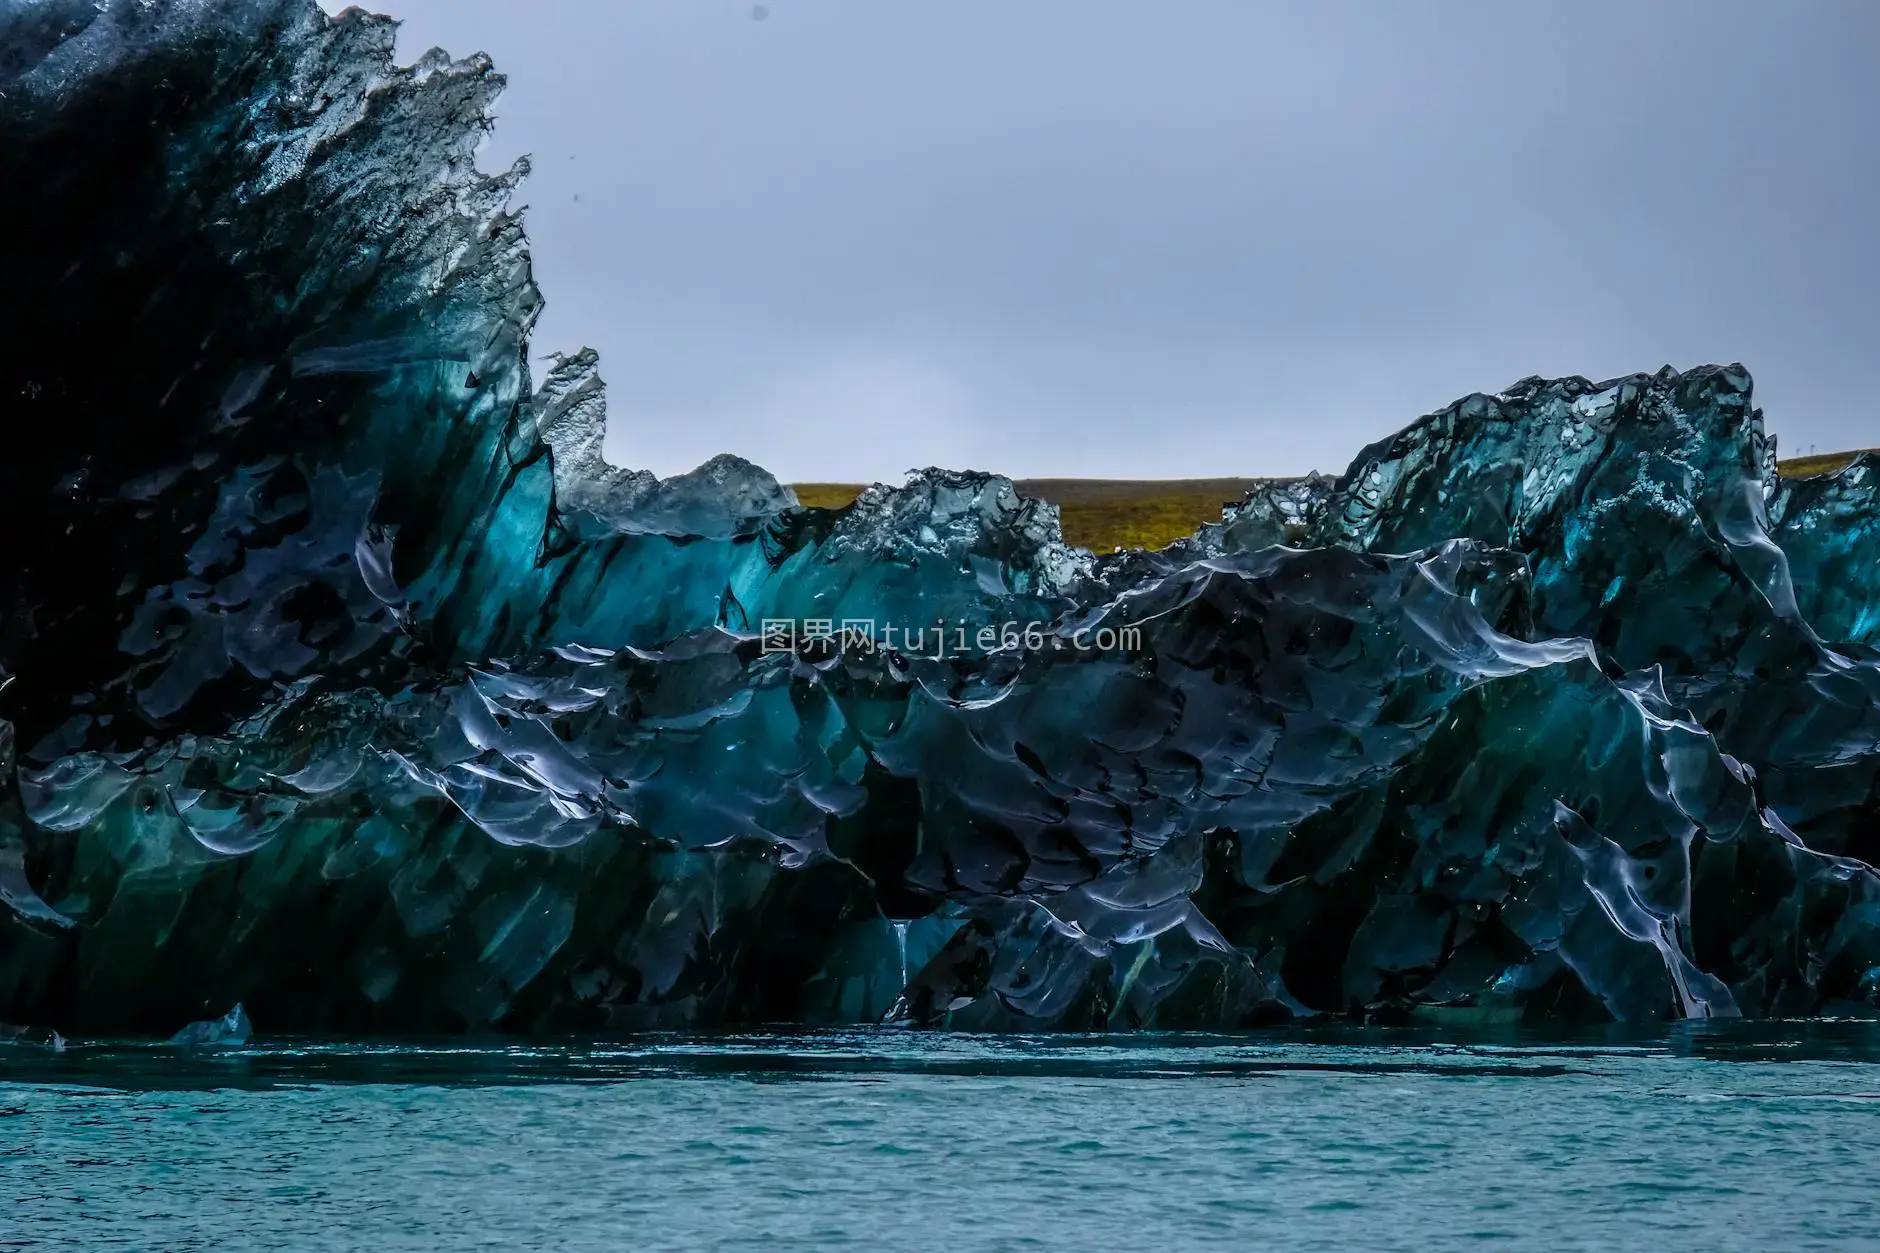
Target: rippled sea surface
(1762,1138)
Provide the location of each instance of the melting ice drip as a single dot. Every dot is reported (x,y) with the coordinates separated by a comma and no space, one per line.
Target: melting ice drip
(348,683)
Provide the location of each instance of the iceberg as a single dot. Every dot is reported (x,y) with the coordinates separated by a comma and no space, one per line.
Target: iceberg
(344,680)
(231,1031)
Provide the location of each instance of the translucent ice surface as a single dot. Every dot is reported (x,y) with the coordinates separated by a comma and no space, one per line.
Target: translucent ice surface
(345,681)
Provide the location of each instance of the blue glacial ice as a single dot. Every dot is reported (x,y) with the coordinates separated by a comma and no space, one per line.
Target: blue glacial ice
(344,680)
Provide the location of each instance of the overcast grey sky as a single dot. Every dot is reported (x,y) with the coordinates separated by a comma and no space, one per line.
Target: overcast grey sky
(1160,238)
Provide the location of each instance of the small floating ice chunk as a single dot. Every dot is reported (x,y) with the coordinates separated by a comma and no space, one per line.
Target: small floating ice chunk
(231,1031)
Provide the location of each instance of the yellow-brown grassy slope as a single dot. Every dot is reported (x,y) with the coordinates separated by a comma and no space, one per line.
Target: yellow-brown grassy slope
(1105,514)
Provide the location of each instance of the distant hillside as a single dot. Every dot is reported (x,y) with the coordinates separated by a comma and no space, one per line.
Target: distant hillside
(1100,514)
(1104,514)
(1825,463)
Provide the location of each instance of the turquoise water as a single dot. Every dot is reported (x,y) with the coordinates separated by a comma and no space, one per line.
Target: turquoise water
(1764,1139)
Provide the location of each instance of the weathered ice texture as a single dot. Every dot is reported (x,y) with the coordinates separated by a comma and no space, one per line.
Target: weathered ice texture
(346,684)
